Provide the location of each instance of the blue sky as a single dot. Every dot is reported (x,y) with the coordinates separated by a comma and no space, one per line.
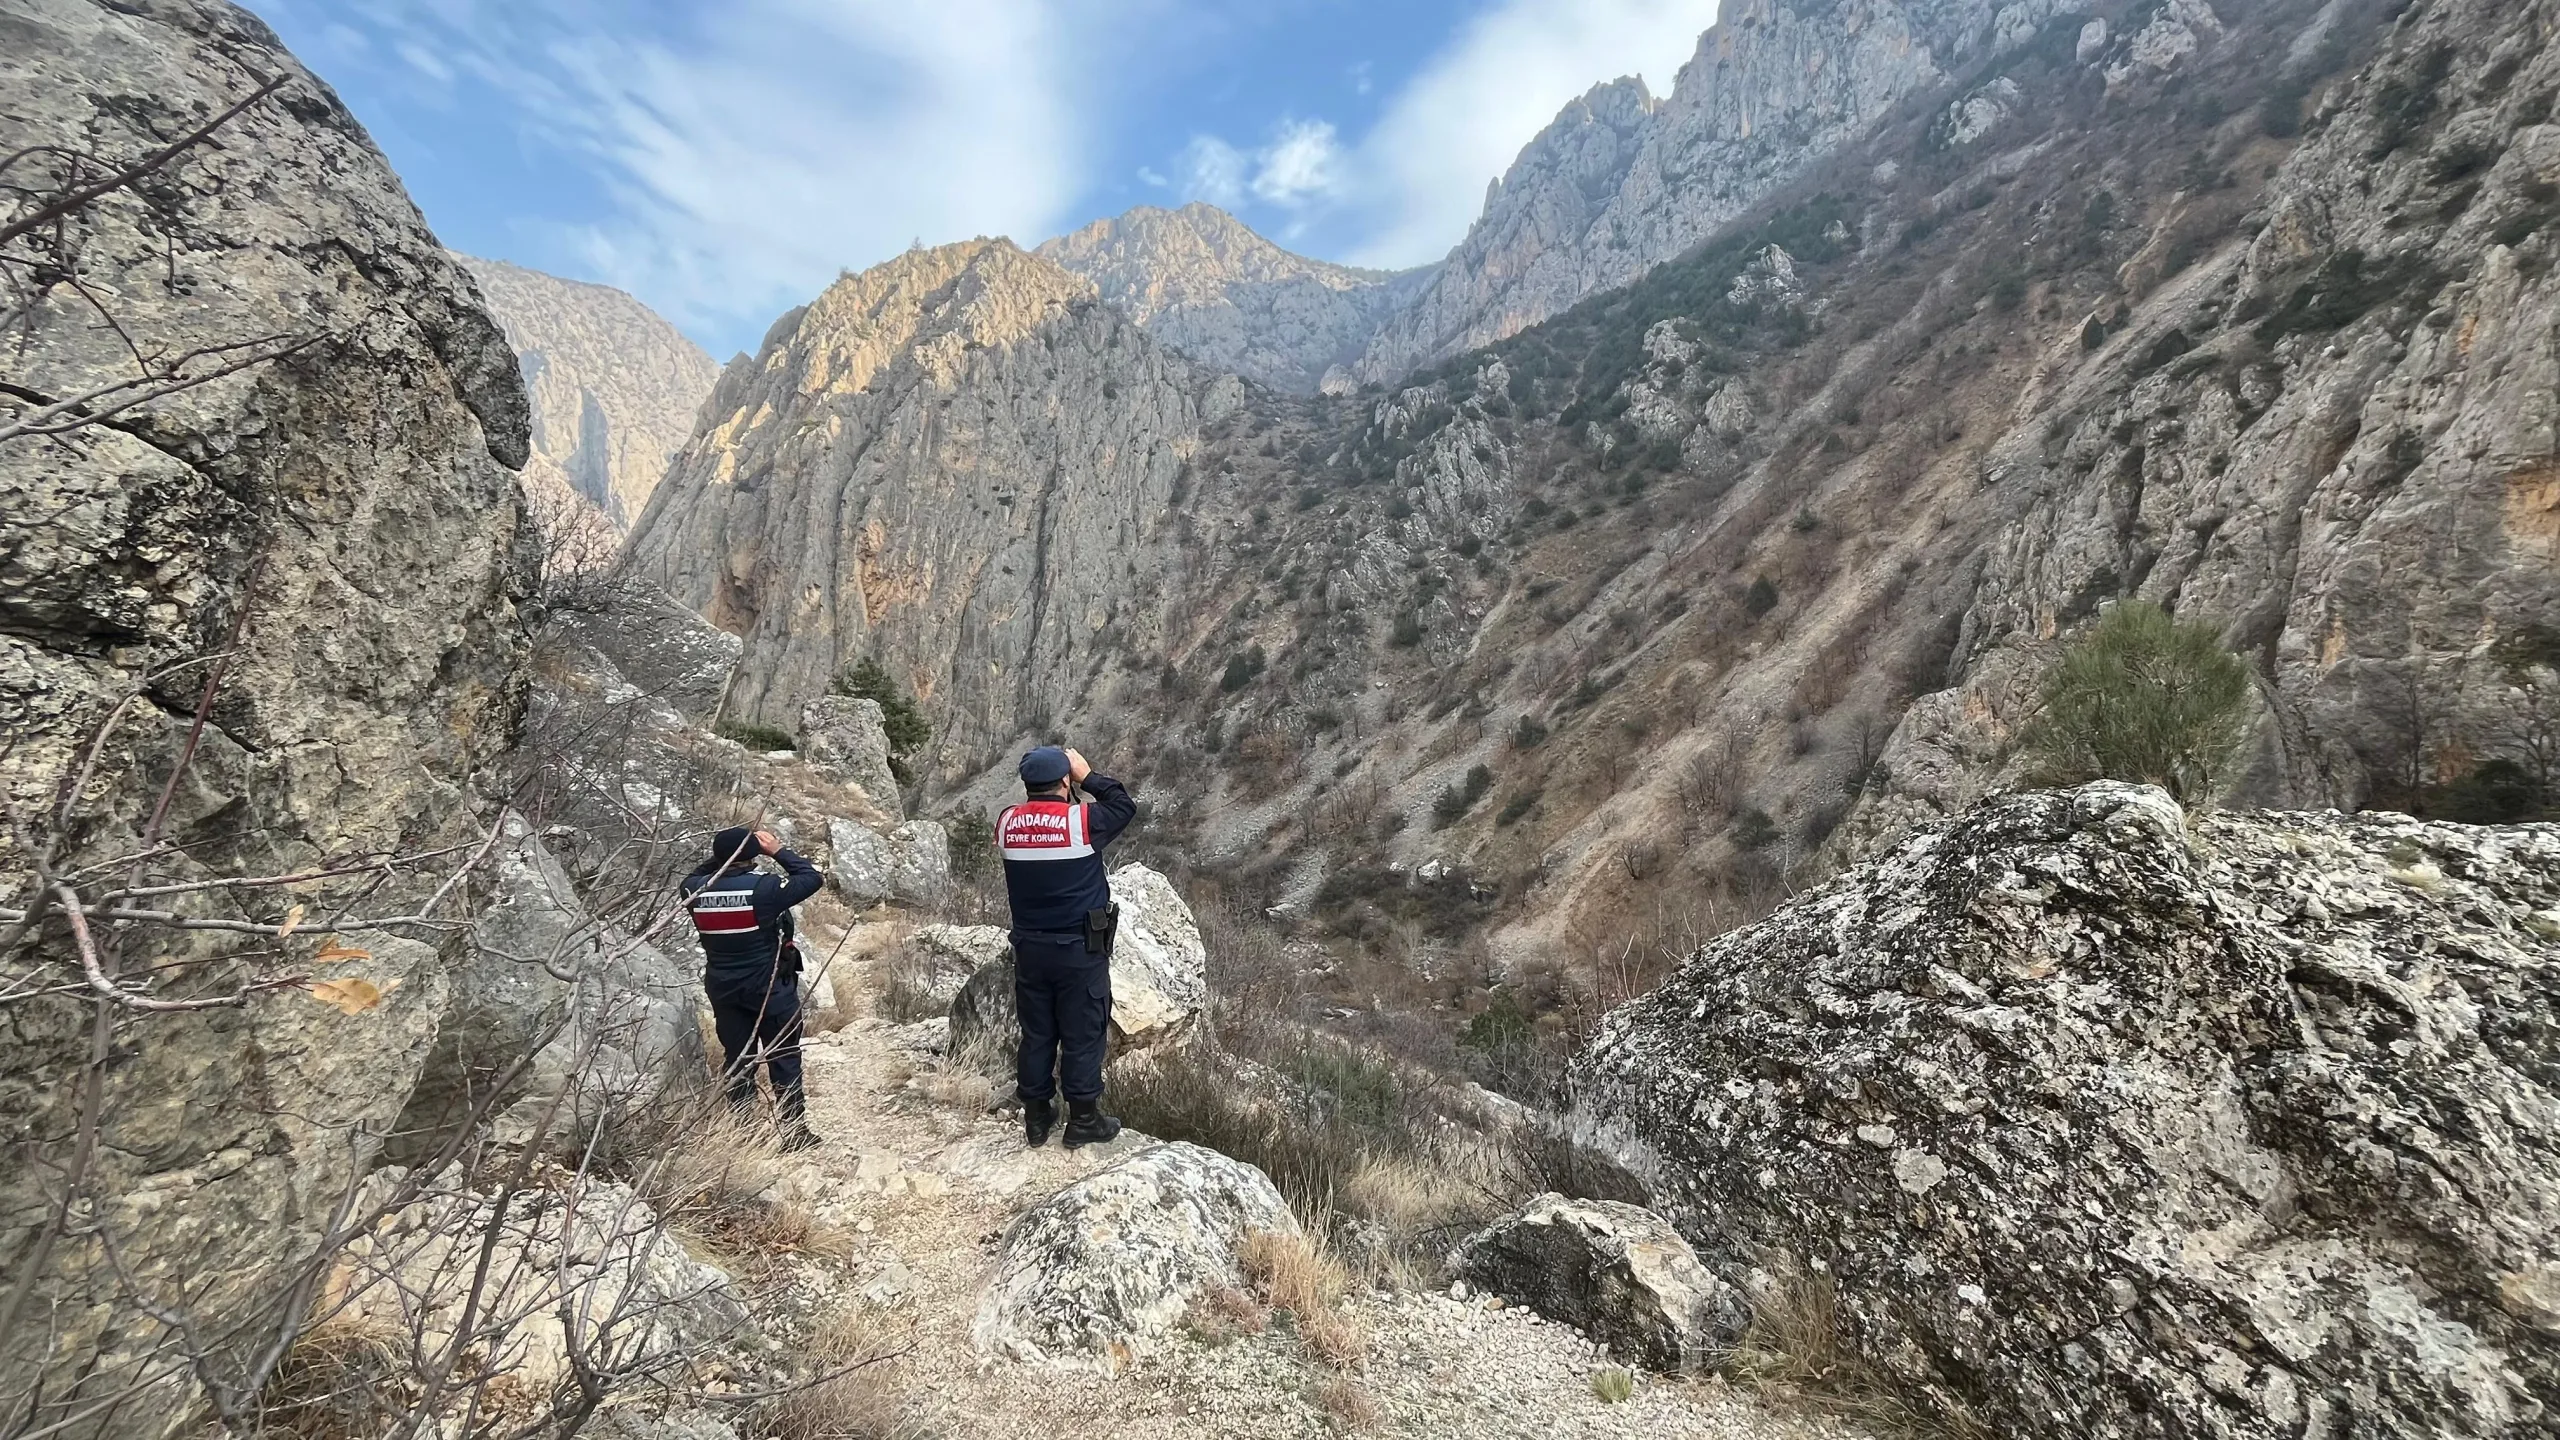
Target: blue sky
(723,161)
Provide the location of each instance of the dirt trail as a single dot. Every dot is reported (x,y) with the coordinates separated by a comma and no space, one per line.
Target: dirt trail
(927,1180)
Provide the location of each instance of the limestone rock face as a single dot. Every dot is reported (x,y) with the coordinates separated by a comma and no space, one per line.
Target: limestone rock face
(665,651)
(1621,181)
(843,736)
(354,502)
(909,863)
(608,1017)
(1104,1267)
(614,387)
(643,1306)
(1159,979)
(940,960)
(2254,1114)
(1616,1272)
(954,461)
(1198,280)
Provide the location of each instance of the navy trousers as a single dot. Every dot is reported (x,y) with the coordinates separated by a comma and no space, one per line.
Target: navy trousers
(757,1027)
(1063,994)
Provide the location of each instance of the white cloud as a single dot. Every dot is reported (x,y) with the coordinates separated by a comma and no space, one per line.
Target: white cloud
(1302,164)
(752,155)
(1213,170)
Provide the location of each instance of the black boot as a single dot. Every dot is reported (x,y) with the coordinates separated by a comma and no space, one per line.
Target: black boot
(1087,1125)
(1037,1118)
(797,1136)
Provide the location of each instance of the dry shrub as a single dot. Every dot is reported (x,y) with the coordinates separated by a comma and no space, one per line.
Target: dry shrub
(857,1394)
(1296,1274)
(907,990)
(345,1378)
(1223,1314)
(1794,1349)
(716,1178)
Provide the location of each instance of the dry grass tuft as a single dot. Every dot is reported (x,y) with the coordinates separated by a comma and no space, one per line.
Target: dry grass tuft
(718,1178)
(1346,1402)
(907,992)
(1297,1275)
(345,1378)
(858,1392)
(1795,1349)
(1224,1314)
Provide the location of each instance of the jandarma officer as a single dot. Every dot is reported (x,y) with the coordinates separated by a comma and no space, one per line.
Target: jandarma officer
(1063,920)
(751,967)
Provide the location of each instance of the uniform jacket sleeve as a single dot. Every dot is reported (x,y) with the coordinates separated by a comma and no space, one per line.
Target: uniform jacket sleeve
(1112,809)
(800,880)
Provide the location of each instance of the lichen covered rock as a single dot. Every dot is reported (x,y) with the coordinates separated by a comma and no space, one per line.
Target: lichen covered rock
(2106,1123)
(1618,1273)
(1159,979)
(1110,1263)
(909,864)
(844,737)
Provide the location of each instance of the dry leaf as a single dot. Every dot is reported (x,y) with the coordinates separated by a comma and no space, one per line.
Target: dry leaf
(335,951)
(292,919)
(352,997)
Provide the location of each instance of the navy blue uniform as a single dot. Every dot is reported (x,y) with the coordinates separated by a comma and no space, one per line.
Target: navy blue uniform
(1053,876)
(743,918)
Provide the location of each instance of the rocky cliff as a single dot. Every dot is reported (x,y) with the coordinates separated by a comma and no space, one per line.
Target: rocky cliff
(2096,1122)
(255,626)
(614,387)
(959,463)
(1621,181)
(1672,600)
(1198,280)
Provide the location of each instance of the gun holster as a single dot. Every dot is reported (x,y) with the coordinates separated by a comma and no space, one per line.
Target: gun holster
(1100,928)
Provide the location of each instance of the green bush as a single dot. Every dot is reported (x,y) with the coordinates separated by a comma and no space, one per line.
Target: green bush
(1761,598)
(2144,697)
(973,843)
(900,719)
(757,737)
(1458,799)
(1407,629)
(1241,670)
(1528,733)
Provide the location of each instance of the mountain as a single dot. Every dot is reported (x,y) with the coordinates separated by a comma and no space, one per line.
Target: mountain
(1621,181)
(952,462)
(1198,280)
(614,387)
(1689,589)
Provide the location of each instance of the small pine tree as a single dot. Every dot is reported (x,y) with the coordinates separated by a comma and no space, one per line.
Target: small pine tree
(900,718)
(2144,697)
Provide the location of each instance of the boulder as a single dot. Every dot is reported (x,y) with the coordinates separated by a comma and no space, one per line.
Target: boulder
(910,863)
(1159,979)
(624,1012)
(938,961)
(1098,1270)
(662,649)
(1616,1272)
(2103,1121)
(593,1251)
(844,738)
(353,505)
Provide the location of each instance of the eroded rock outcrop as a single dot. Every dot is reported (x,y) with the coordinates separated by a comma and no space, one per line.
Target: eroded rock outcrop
(1616,1272)
(909,862)
(2105,1122)
(1621,181)
(1094,1273)
(1198,280)
(614,388)
(351,509)
(844,737)
(953,462)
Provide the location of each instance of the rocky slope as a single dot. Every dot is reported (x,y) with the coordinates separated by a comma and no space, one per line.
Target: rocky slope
(1621,181)
(260,626)
(1783,534)
(614,387)
(952,462)
(1198,280)
(2102,1123)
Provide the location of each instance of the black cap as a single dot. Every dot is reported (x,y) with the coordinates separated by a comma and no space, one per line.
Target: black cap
(1044,766)
(733,845)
